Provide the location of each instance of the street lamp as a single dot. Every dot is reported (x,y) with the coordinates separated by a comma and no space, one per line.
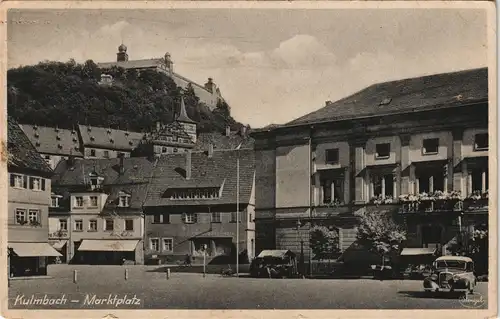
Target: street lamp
(301,260)
(238,210)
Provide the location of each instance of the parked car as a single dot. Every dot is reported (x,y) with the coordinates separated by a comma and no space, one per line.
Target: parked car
(451,274)
(274,264)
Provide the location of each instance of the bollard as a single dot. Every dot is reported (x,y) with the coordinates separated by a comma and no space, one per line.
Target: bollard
(75,276)
(168,273)
(126,274)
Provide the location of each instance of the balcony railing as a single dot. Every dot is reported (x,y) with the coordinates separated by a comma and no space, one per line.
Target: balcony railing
(435,202)
(477,201)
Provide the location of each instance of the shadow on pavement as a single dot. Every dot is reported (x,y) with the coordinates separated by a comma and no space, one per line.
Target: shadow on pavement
(429,294)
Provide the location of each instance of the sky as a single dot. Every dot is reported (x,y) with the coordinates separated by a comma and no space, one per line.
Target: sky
(271,65)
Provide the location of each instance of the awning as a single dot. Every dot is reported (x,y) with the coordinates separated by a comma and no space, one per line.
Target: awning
(34,250)
(108,245)
(418,251)
(59,244)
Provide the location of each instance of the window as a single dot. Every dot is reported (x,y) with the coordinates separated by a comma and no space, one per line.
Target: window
(481,142)
(124,201)
(157,219)
(383,186)
(78,201)
(333,191)
(429,182)
(47,157)
(106,154)
(175,150)
(233,217)
(63,224)
(164,149)
(189,218)
(383,150)
(154,244)
(34,216)
(18,181)
(21,216)
(430,146)
(54,201)
(92,152)
(120,154)
(165,218)
(332,156)
(216,218)
(168,244)
(37,183)
(93,225)
(93,201)
(169,138)
(78,225)
(479,180)
(108,225)
(129,224)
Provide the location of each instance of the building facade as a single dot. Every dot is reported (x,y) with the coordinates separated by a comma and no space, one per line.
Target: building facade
(208,93)
(28,204)
(384,149)
(192,204)
(101,210)
(101,142)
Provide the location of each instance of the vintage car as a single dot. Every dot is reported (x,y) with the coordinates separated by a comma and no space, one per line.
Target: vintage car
(451,274)
(274,264)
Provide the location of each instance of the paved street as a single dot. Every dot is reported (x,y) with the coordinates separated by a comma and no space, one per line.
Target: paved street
(189,291)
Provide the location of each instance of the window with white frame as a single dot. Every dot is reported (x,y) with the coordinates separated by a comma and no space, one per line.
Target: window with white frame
(78,202)
(129,224)
(17,181)
(215,217)
(478,180)
(154,244)
(109,224)
(168,245)
(481,142)
(21,216)
(332,190)
(34,216)
(93,225)
(382,151)
(63,224)
(93,201)
(189,218)
(430,146)
(54,201)
(78,225)
(37,183)
(124,200)
(332,156)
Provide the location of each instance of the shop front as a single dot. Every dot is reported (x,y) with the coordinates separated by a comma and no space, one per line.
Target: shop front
(107,252)
(30,259)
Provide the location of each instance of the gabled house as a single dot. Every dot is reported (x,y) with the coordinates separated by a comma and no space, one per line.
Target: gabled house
(103,209)
(102,142)
(28,204)
(192,204)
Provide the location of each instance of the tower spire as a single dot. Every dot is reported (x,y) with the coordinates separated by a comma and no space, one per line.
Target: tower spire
(183,117)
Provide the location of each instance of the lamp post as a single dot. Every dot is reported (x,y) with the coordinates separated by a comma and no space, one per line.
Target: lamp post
(301,260)
(238,210)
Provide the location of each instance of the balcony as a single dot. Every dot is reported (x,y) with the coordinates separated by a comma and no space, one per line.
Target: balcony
(431,203)
(476,202)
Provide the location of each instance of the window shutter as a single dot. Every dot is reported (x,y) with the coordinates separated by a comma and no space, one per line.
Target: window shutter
(43,184)
(12,180)
(25,181)
(31,183)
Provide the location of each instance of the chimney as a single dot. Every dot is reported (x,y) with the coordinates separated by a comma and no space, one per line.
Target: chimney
(228,130)
(210,150)
(188,164)
(122,168)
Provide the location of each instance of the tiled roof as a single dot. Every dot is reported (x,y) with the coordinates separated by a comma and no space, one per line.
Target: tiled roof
(170,173)
(22,154)
(183,117)
(51,140)
(408,95)
(136,170)
(223,142)
(137,194)
(102,137)
(132,64)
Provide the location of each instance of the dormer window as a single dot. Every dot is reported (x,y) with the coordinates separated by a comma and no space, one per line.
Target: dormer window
(92,138)
(126,134)
(58,138)
(37,143)
(109,131)
(37,135)
(130,143)
(123,200)
(59,146)
(111,140)
(74,139)
(55,200)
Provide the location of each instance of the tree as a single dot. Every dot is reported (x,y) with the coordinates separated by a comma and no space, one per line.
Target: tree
(323,241)
(380,233)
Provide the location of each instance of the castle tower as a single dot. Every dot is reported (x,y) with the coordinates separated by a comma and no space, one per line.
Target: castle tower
(188,124)
(122,55)
(168,63)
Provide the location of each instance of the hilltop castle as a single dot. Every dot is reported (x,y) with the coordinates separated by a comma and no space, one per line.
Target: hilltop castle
(208,93)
